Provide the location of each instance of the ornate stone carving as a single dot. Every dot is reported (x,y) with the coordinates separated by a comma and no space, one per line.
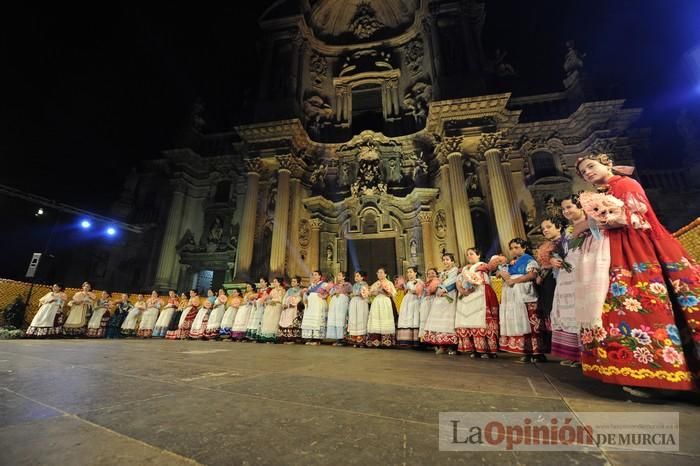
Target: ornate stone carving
(318,69)
(346,174)
(447,146)
(365,23)
(318,176)
(315,223)
(425,217)
(417,100)
(286,162)
(573,61)
(304,233)
(329,252)
(440,224)
(413,247)
(489,141)
(253,165)
(369,179)
(413,55)
(603,146)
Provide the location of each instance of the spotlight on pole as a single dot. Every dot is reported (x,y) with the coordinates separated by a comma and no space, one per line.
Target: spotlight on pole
(39,212)
(85,224)
(111,231)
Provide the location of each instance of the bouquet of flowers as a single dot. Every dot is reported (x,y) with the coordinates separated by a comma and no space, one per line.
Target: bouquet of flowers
(386,288)
(399,282)
(552,250)
(364,292)
(292,301)
(603,208)
(497,262)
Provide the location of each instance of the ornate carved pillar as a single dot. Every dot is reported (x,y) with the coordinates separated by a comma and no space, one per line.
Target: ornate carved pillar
(281,219)
(450,148)
(426,219)
(246,235)
(168,255)
(315,225)
(450,239)
(502,201)
(514,206)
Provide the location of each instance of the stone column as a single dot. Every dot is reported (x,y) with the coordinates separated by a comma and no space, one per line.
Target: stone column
(246,235)
(315,225)
(426,219)
(518,225)
(295,265)
(281,219)
(460,200)
(450,238)
(501,198)
(168,255)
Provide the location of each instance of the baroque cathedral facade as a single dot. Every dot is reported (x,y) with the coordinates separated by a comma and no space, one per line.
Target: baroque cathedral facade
(382,135)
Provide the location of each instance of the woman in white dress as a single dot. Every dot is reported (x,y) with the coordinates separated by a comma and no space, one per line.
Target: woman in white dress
(430,287)
(216,316)
(358,310)
(47,322)
(381,329)
(80,308)
(233,302)
(440,325)
(240,323)
(150,317)
(163,323)
(256,317)
(409,313)
(476,322)
(289,330)
(199,324)
(337,322)
(97,326)
(273,311)
(313,324)
(131,323)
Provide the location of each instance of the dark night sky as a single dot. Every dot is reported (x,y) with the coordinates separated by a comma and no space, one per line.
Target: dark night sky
(89,93)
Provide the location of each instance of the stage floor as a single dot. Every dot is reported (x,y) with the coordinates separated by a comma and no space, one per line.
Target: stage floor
(183,402)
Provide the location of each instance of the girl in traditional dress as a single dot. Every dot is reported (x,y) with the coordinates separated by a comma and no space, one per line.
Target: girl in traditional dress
(131,323)
(337,322)
(358,310)
(189,314)
(150,317)
(166,315)
(289,330)
(440,326)
(47,322)
(240,323)
(409,312)
(476,321)
(256,317)
(430,287)
(273,310)
(566,343)
(173,332)
(80,308)
(233,302)
(381,329)
(216,316)
(97,326)
(523,328)
(637,337)
(313,324)
(121,310)
(199,324)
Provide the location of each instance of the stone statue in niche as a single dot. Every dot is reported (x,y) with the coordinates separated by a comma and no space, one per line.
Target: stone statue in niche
(316,112)
(393,170)
(440,223)
(215,231)
(471,180)
(413,247)
(499,66)
(271,200)
(329,252)
(420,172)
(345,175)
(304,233)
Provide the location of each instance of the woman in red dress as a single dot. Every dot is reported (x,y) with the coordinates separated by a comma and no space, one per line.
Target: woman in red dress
(646,335)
